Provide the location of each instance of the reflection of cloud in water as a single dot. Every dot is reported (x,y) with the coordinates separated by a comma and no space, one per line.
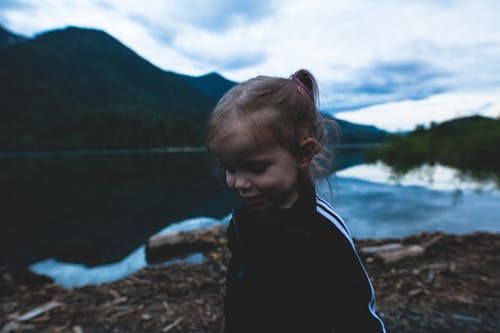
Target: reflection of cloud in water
(436,177)
(375,205)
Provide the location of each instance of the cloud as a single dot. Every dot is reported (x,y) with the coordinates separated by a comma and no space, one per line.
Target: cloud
(13,4)
(473,62)
(387,81)
(166,20)
(220,15)
(405,115)
(230,62)
(412,77)
(164,34)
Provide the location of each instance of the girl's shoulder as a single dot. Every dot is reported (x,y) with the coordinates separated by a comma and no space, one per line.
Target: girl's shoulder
(330,221)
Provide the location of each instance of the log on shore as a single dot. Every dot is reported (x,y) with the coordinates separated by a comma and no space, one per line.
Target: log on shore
(393,252)
(161,248)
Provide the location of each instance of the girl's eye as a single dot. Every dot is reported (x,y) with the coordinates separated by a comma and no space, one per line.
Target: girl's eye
(229,170)
(257,168)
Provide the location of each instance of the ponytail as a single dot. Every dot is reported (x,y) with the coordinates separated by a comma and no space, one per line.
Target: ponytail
(306,81)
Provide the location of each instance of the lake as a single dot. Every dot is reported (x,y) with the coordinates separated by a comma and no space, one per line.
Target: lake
(84,218)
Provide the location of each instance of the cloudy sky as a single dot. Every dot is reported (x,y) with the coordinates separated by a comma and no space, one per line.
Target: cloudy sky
(390,63)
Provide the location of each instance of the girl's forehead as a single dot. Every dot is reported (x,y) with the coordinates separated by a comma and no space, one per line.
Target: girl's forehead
(238,141)
(241,143)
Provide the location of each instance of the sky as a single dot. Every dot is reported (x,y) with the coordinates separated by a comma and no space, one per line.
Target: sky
(394,64)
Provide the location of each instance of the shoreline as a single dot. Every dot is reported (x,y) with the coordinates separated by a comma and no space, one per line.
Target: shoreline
(150,150)
(454,285)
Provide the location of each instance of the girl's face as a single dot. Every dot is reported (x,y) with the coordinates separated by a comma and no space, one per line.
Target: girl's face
(265,176)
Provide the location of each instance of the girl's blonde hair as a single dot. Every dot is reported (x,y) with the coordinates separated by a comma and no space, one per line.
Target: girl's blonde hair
(279,111)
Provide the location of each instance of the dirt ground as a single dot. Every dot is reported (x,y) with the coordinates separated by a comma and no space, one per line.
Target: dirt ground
(453,286)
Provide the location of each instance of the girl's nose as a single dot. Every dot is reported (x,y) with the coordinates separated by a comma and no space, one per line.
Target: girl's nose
(242,183)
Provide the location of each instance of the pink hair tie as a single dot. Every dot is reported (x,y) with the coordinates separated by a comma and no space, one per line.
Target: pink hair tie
(301,87)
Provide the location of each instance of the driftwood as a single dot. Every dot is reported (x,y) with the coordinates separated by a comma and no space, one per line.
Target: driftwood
(381,248)
(393,252)
(164,247)
(37,311)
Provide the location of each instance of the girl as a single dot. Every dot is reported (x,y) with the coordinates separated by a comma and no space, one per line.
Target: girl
(294,266)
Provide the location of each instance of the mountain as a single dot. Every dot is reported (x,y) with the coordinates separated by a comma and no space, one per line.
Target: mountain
(7,38)
(211,84)
(355,133)
(82,88)
(76,88)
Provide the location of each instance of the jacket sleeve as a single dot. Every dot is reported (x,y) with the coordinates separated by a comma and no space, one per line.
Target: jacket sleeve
(232,311)
(350,289)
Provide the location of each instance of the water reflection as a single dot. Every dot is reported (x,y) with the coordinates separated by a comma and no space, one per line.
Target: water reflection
(378,204)
(96,210)
(374,205)
(437,177)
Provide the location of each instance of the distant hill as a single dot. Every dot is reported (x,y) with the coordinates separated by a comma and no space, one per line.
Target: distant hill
(81,88)
(7,38)
(356,133)
(348,132)
(469,143)
(211,84)
(77,88)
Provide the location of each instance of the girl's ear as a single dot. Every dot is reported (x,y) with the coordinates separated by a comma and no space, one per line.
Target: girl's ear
(308,148)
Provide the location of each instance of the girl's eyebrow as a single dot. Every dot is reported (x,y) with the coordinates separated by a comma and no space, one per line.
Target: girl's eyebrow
(258,160)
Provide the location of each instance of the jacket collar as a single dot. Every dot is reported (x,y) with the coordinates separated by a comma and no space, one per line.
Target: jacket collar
(303,206)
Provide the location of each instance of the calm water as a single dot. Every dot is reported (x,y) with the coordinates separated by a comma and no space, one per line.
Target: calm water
(96,209)
(64,214)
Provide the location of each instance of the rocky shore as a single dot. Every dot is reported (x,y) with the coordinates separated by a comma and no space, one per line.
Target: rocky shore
(442,283)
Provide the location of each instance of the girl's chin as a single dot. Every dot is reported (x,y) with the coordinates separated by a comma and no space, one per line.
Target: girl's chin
(257,203)
(262,203)
(253,201)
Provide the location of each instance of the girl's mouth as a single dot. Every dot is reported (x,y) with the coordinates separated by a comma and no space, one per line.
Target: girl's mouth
(252,201)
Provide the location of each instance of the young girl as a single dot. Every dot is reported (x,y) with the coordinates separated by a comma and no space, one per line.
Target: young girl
(294,266)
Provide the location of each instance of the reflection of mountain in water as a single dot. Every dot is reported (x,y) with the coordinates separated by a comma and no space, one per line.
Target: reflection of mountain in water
(95,209)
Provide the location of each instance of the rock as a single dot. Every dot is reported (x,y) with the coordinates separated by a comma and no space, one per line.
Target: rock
(164,247)
(14,326)
(393,252)
(381,248)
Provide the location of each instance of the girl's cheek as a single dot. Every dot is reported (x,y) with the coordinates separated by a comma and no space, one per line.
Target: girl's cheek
(229,180)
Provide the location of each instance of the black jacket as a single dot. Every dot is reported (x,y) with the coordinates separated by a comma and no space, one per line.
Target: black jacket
(296,270)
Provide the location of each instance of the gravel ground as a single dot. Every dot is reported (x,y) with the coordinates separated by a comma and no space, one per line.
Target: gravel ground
(453,286)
